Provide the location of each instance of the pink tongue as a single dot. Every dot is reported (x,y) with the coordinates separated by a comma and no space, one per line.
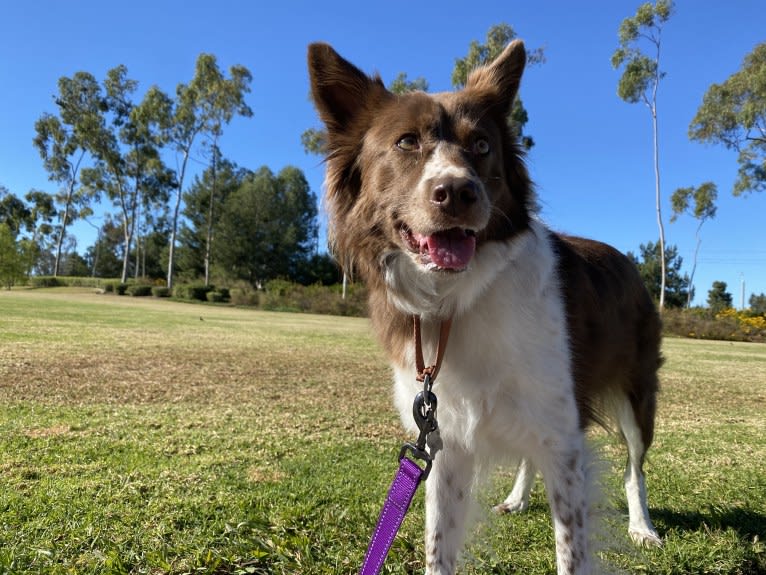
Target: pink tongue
(450,250)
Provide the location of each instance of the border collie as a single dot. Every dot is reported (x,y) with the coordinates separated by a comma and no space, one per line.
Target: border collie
(430,202)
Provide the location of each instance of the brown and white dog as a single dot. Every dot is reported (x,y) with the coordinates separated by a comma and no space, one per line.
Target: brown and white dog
(429,200)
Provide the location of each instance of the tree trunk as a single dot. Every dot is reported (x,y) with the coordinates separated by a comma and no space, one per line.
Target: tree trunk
(658,202)
(174,228)
(694,263)
(209,237)
(62,231)
(128,224)
(137,233)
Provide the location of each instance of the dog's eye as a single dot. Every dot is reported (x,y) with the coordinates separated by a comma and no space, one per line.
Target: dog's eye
(408,143)
(481,147)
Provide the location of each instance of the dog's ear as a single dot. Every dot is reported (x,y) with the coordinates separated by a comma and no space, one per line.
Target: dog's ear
(340,90)
(499,80)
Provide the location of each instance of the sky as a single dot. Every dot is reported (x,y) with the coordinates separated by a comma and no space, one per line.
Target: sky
(592,162)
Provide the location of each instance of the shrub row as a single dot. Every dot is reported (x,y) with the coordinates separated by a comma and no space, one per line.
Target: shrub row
(67,281)
(201,292)
(280,295)
(727,325)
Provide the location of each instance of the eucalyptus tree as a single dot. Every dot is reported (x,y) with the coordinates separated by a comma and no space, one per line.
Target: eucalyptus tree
(126,148)
(34,214)
(201,109)
(14,213)
(62,142)
(11,257)
(42,211)
(640,81)
(734,114)
(704,209)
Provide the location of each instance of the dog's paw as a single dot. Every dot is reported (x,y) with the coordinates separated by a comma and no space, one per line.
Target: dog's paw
(517,506)
(645,538)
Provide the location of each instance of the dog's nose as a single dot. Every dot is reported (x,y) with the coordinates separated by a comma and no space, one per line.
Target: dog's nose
(454,194)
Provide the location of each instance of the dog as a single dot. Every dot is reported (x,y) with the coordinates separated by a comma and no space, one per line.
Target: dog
(429,201)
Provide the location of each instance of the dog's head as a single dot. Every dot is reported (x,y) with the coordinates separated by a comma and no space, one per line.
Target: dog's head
(418,185)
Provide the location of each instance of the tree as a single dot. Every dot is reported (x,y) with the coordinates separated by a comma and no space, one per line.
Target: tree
(14,213)
(11,257)
(267,227)
(401,85)
(128,167)
(734,114)
(677,286)
(639,83)
(758,304)
(105,257)
(201,108)
(498,37)
(718,299)
(42,211)
(62,143)
(195,239)
(704,209)
(33,217)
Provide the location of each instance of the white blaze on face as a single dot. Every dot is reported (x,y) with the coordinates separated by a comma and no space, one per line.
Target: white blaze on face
(439,165)
(454,247)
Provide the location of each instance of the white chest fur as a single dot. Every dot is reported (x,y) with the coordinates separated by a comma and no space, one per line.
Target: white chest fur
(505,386)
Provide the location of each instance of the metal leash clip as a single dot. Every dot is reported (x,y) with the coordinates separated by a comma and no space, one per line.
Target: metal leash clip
(424,413)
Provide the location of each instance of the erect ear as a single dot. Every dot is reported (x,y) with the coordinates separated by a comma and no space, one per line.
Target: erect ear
(340,89)
(499,80)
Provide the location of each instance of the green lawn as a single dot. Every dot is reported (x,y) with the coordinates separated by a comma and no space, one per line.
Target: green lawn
(140,435)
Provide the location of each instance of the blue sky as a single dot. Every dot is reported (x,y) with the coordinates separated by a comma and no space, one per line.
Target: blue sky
(593,160)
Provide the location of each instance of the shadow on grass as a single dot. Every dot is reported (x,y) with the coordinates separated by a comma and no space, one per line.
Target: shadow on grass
(746,522)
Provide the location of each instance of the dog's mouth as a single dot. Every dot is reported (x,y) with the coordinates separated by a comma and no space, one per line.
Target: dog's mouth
(446,250)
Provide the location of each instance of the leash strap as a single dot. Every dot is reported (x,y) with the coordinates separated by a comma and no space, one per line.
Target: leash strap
(395,508)
(410,474)
(420,366)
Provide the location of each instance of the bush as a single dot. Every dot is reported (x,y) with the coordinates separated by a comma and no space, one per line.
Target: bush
(121,288)
(140,290)
(245,294)
(193,291)
(216,297)
(160,291)
(45,282)
(281,295)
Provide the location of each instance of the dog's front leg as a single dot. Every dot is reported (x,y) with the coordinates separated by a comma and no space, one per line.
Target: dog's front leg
(567,488)
(448,494)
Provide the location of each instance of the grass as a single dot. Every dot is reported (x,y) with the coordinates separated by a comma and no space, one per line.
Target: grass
(140,435)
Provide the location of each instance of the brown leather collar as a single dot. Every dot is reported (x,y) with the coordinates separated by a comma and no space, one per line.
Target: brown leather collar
(431,370)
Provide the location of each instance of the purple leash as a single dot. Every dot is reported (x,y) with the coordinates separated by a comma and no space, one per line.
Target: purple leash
(405,482)
(410,474)
(395,508)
